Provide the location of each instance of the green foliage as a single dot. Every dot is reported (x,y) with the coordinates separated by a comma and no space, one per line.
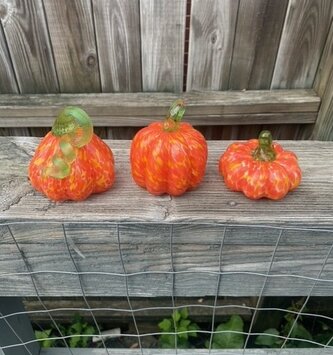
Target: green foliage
(43,337)
(297,330)
(182,326)
(77,331)
(269,339)
(227,339)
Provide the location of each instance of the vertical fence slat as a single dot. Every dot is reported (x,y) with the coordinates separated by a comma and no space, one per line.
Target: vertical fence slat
(323,129)
(117,25)
(303,39)
(162,44)
(73,40)
(212,32)
(26,32)
(8,83)
(257,38)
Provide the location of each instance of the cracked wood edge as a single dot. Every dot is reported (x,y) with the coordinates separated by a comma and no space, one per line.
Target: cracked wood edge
(211,201)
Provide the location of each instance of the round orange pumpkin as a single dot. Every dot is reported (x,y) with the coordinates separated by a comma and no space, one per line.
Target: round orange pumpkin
(260,168)
(71,162)
(169,156)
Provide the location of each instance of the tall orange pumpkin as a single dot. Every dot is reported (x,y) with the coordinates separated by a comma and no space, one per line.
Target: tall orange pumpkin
(169,156)
(71,162)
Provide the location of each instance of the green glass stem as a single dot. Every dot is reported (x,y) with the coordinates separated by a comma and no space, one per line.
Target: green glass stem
(265,150)
(175,115)
(74,128)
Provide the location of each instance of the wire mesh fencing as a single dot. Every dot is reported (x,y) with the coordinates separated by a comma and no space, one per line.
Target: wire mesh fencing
(170,260)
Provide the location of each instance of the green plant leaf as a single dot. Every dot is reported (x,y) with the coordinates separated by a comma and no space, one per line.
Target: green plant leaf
(46,343)
(165,325)
(185,323)
(176,316)
(74,342)
(301,332)
(182,335)
(192,327)
(268,340)
(184,313)
(227,339)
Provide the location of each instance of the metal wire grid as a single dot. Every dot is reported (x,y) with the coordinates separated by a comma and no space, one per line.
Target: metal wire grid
(313,281)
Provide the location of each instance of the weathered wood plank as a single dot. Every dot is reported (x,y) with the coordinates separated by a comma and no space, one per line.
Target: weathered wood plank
(246,260)
(162,44)
(302,42)
(8,84)
(117,25)
(303,351)
(205,108)
(212,34)
(146,309)
(210,202)
(92,234)
(323,129)
(73,40)
(27,38)
(257,40)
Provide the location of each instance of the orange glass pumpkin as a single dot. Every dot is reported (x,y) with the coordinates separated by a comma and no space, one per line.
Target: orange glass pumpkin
(260,168)
(71,162)
(169,156)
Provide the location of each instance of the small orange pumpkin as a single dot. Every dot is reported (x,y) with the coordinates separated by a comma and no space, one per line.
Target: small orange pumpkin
(71,162)
(169,156)
(260,168)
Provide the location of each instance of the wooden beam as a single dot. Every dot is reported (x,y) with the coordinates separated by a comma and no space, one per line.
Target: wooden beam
(144,230)
(205,108)
(323,129)
(152,309)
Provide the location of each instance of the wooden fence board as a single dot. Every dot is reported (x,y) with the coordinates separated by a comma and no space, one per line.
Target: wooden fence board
(115,310)
(212,34)
(8,82)
(27,37)
(117,25)
(73,40)
(257,40)
(144,232)
(162,44)
(303,39)
(216,206)
(323,85)
(203,108)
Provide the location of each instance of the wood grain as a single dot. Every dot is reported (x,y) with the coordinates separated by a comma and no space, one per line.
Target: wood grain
(144,232)
(216,206)
(162,44)
(302,42)
(257,40)
(8,84)
(323,129)
(147,309)
(117,25)
(73,40)
(212,34)
(203,108)
(28,42)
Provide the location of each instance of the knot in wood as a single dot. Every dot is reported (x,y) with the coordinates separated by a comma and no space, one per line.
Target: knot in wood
(3,11)
(213,38)
(91,60)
